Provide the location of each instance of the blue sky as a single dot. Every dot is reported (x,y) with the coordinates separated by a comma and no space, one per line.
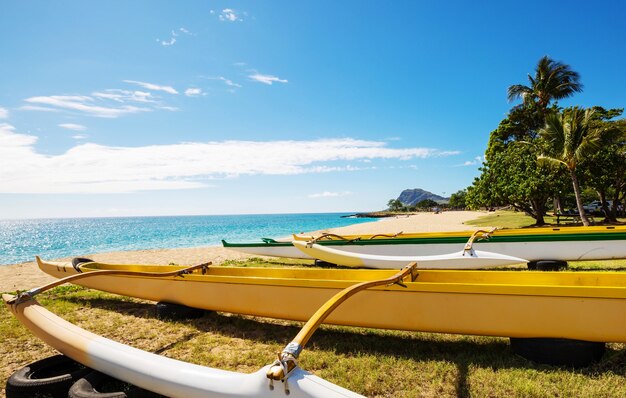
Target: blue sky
(165,108)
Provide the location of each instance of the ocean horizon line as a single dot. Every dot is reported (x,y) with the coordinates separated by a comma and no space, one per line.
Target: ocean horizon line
(180,215)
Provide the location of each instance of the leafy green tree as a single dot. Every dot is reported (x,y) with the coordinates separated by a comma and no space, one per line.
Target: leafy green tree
(512,176)
(553,80)
(567,139)
(395,205)
(605,170)
(426,204)
(457,199)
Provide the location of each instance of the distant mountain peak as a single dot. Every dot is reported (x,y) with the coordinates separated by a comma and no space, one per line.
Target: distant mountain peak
(410,197)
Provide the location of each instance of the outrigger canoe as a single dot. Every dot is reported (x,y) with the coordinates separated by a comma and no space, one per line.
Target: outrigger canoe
(176,378)
(160,374)
(587,306)
(533,244)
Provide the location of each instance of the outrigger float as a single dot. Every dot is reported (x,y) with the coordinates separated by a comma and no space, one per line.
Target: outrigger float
(468,258)
(581,305)
(176,378)
(533,244)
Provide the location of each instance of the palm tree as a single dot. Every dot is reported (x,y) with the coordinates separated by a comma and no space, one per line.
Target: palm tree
(568,138)
(553,80)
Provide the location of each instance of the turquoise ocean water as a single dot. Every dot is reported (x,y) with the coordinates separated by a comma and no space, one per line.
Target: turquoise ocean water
(21,240)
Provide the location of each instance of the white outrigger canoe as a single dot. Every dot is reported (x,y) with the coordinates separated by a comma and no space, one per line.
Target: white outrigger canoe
(166,376)
(464,259)
(533,244)
(176,378)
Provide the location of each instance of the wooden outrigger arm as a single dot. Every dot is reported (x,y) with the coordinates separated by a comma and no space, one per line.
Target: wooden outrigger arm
(475,235)
(287,359)
(29,294)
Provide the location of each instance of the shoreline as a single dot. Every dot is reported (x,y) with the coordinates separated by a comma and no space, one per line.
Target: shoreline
(27,275)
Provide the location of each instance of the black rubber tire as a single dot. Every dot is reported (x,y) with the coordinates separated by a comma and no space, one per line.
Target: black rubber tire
(177,311)
(558,352)
(48,377)
(551,265)
(78,260)
(100,385)
(324,264)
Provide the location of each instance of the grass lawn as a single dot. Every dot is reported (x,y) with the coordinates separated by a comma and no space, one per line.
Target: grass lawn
(516,219)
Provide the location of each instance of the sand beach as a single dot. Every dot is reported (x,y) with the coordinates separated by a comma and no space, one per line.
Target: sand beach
(27,275)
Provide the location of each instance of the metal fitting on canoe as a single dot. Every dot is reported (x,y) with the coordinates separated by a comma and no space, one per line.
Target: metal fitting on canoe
(294,349)
(23,296)
(285,364)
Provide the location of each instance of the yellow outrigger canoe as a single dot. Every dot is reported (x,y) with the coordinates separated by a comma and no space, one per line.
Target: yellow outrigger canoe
(587,306)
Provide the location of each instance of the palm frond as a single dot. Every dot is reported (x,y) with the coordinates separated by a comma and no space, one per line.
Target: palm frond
(549,160)
(518,91)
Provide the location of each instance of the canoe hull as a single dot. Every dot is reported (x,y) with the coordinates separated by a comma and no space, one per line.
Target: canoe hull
(464,259)
(584,306)
(568,244)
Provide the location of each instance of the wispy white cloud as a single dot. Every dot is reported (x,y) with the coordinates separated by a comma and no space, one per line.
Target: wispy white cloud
(109,103)
(118,95)
(266,79)
(474,162)
(327,194)
(79,103)
(73,126)
(228,82)
(174,33)
(167,43)
(38,108)
(4,113)
(152,86)
(168,108)
(193,92)
(79,136)
(91,168)
(229,15)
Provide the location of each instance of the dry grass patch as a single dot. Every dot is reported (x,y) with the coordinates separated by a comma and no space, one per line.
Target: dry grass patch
(375,363)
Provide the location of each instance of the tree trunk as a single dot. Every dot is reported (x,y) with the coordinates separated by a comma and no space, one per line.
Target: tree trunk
(609,215)
(539,211)
(558,206)
(579,202)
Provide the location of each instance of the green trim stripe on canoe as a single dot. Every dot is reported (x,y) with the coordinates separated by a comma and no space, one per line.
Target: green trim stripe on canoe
(562,237)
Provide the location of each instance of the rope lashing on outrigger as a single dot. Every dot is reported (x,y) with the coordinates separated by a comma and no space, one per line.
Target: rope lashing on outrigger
(329,235)
(29,294)
(288,359)
(386,235)
(475,236)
